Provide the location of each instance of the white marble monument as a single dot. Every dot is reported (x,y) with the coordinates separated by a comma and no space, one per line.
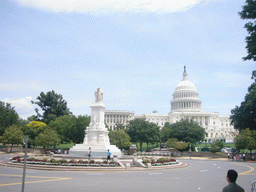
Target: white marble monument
(96,134)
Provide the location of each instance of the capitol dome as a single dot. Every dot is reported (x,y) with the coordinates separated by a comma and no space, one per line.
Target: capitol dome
(185,97)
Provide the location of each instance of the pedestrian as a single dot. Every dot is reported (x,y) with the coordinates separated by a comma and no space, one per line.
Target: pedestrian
(234,157)
(228,155)
(244,156)
(89,154)
(108,155)
(232,186)
(252,157)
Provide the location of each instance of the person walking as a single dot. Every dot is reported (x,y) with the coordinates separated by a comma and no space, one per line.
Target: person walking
(228,155)
(232,186)
(244,156)
(108,155)
(89,154)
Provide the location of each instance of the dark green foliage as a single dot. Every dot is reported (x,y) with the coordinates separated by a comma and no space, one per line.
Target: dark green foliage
(141,131)
(184,130)
(8,116)
(71,128)
(12,135)
(53,106)
(244,116)
(249,12)
(214,148)
(246,140)
(120,138)
(47,138)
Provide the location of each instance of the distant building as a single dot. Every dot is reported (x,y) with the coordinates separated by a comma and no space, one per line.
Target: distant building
(185,104)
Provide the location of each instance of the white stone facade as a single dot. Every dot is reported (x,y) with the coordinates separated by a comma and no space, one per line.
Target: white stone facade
(185,104)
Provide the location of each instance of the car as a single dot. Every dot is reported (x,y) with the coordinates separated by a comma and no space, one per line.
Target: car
(163,146)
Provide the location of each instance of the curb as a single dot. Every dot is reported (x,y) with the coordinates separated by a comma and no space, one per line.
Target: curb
(73,168)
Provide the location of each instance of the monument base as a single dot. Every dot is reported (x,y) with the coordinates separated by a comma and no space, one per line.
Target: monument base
(81,150)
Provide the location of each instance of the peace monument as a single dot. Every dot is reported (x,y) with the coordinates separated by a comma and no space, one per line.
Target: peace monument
(96,134)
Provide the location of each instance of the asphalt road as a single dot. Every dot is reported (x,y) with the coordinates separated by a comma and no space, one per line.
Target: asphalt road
(200,175)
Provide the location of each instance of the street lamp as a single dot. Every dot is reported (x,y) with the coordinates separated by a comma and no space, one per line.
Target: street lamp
(25,142)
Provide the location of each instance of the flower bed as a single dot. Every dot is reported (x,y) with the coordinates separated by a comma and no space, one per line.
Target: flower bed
(161,161)
(64,162)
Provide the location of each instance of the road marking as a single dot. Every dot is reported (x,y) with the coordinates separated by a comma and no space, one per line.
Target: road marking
(251,170)
(41,177)
(203,170)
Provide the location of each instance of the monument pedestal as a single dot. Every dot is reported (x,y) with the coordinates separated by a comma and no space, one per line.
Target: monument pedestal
(96,134)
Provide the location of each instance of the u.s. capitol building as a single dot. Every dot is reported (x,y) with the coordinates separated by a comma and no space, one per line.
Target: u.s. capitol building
(185,104)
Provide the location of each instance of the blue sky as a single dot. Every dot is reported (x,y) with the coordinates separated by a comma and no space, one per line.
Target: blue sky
(134,50)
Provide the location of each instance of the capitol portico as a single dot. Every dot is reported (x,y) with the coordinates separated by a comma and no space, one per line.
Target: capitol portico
(185,104)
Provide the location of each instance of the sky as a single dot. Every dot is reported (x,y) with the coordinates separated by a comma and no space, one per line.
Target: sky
(135,50)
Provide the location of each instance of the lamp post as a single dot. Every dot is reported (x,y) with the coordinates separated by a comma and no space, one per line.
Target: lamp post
(25,142)
(190,150)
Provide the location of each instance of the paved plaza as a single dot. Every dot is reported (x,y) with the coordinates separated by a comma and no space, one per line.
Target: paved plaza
(200,175)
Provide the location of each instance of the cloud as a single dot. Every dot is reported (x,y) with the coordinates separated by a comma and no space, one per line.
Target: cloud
(106,6)
(22,106)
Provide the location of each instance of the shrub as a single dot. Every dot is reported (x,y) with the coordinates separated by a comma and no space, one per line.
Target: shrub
(72,161)
(63,161)
(146,161)
(53,161)
(15,158)
(92,161)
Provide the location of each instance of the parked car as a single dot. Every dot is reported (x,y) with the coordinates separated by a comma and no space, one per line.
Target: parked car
(163,146)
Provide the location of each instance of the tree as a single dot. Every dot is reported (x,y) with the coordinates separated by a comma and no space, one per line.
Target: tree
(214,148)
(219,144)
(246,140)
(119,126)
(33,129)
(244,116)
(152,133)
(12,135)
(184,130)
(176,144)
(120,139)
(249,12)
(8,116)
(48,138)
(70,128)
(53,106)
(142,131)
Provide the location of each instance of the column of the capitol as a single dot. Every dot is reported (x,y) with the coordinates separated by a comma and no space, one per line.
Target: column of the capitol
(96,134)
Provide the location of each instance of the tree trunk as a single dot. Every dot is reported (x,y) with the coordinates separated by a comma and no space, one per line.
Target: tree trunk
(11,148)
(140,146)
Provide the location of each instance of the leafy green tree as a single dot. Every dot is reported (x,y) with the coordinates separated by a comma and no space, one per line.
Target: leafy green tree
(214,148)
(246,140)
(48,138)
(136,129)
(119,126)
(53,106)
(152,133)
(8,116)
(244,116)
(71,128)
(12,135)
(219,144)
(120,138)
(249,12)
(184,130)
(176,144)
(33,129)
(142,131)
